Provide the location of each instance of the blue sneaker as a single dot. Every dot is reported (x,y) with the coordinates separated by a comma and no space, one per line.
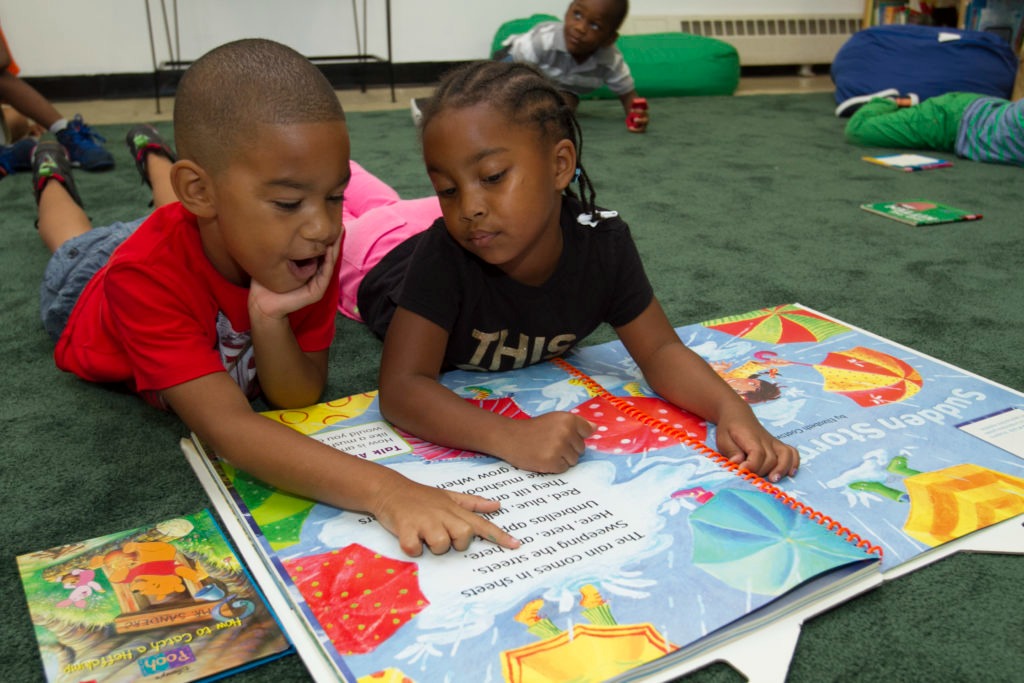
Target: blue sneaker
(16,157)
(50,162)
(83,146)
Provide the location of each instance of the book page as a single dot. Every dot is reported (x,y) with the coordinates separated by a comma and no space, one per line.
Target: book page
(911,451)
(649,549)
(549,514)
(566,524)
(1004,429)
(643,547)
(906,160)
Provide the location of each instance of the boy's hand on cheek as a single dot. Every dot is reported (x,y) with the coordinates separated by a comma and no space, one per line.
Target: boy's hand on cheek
(421,515)
(266,303)
(550,443)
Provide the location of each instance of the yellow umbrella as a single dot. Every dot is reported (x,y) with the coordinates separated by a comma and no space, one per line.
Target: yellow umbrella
(587,653)
(952,502)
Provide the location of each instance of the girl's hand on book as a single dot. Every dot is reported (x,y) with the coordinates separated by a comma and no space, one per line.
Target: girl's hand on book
(550,443)
(745,442)
(421,515)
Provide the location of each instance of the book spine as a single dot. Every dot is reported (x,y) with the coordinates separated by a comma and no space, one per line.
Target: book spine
(928,167)
(623,406)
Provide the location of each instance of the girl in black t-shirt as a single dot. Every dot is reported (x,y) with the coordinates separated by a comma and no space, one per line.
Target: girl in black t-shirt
(519,270)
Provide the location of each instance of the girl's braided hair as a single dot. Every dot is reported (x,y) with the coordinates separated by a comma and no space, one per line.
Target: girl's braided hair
(525,95)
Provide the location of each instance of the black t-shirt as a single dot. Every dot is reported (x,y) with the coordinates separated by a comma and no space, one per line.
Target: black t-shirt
(496,323)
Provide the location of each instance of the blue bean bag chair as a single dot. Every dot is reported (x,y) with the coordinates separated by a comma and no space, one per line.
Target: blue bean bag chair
(926,60)
(662,64)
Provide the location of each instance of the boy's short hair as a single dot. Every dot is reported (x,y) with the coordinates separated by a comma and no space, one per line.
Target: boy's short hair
(622,10)
(619,9)
(238,85)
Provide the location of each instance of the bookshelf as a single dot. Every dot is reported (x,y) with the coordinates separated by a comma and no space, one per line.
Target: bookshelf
(897,12)
(893,11)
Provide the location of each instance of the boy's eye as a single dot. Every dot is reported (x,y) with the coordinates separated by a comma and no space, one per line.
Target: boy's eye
(336,198)
(287,206)
(494,177)
(445,191)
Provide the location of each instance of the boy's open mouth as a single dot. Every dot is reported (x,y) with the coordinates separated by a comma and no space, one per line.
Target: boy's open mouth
(307,267)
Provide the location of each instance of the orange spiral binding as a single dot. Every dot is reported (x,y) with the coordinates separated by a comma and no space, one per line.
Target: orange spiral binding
(680,435)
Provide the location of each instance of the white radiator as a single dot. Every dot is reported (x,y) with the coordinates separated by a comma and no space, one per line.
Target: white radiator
(761,40)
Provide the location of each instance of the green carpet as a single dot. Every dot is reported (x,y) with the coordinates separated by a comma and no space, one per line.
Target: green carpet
(736,204)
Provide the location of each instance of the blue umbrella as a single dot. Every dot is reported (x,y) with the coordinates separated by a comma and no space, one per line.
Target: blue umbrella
(747,540)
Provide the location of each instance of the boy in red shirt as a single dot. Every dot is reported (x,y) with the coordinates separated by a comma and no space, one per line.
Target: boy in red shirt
(232,289)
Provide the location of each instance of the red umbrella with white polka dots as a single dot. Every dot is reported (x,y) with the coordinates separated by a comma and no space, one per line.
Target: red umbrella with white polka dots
(619,432)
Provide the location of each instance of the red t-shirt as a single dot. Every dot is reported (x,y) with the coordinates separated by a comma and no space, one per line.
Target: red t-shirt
(158,314)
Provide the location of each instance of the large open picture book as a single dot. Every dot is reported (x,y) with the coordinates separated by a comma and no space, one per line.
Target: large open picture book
(654,554)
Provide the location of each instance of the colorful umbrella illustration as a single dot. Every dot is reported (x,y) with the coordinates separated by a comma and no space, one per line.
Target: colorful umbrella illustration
(280,514)
(588,653)
(594,652)
(869,377)
(389,675)
(954,501)
(618,432)
(431,451)
(359,597)
(314,418)
(778,325)
(748,541)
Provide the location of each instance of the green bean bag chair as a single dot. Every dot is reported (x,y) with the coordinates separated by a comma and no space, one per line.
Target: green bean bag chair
(663,64)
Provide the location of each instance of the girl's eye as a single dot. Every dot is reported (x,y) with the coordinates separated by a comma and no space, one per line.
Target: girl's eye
(445,192)
(288,206)
(493,178)
(336,198)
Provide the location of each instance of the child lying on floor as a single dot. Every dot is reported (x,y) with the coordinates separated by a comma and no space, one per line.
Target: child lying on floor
(517,271)
(977,127)
(229,289)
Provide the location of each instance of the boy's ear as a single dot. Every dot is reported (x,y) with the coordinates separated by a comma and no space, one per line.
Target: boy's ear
(193,187)
(565,163)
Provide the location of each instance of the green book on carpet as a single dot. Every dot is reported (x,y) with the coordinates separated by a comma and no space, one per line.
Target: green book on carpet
(921,212)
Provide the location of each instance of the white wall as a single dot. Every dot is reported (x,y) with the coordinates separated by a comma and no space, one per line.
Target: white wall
(72,37)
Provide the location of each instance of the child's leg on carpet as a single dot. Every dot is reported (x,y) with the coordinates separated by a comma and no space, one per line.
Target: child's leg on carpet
(930,125)
(60,216)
